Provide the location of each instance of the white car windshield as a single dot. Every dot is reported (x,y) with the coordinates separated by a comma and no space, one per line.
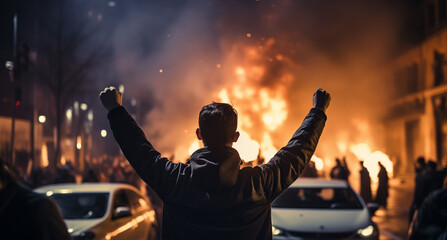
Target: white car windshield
(317,198)
(81,205)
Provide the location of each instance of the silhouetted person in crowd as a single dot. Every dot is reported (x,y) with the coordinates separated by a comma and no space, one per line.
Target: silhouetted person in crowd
(420,166)
(365,184)
(430,221)
(40,177)
(310,171)
(427,182)
(25,214)
(65,175)
(90,176)
(212,197)
(382,189)
(339,171)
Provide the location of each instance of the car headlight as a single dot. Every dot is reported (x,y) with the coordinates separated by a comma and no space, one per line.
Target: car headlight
(367,231)
(276,231)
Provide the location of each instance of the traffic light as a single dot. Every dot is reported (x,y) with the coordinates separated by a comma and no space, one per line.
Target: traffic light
(18,95)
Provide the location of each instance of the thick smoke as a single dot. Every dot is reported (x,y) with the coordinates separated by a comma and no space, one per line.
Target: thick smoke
(343,47)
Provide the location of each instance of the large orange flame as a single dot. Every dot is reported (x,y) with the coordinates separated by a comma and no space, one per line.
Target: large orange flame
(371,160)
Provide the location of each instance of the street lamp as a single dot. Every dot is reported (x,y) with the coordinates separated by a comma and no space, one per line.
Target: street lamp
(78,143)
(42,118)
(103,133)
(84,106)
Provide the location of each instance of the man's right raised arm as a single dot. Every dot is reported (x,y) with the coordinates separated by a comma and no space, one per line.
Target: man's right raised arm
(156,171)
(289,162)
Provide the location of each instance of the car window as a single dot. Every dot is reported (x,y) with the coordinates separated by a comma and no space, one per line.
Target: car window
(318,198)
(138,202)
(81,205)
(121,200)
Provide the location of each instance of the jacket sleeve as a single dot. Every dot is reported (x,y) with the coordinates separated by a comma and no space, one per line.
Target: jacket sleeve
(158,172)
(289,162)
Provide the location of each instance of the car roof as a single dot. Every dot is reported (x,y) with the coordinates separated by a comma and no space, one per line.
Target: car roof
(84,187)
(319,182)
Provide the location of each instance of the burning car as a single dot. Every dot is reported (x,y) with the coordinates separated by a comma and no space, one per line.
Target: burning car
(322,209)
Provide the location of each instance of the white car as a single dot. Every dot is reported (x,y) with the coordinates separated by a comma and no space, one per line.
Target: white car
(313,208)
(103,211)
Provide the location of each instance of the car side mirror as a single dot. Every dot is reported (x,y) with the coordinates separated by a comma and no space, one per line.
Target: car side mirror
(122,212)
(372,208)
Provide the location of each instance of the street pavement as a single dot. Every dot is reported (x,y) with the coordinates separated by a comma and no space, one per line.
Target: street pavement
(393,221)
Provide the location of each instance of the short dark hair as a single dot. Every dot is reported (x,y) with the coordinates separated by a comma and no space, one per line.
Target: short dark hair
(217,123)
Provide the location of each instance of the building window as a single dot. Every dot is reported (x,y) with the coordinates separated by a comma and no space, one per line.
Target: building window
(439,68)
(441,10)
(431,15)
(406,80)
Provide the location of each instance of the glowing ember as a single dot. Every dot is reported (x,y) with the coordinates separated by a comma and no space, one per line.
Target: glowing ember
(371,160)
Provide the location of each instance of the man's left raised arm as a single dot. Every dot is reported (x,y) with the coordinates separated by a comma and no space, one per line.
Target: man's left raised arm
(156,171)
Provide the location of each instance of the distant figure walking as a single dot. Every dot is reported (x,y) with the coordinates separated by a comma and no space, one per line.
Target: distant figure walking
(340,171)
(365,184)
(382,190)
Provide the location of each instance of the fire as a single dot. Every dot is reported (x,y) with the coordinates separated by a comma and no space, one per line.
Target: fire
(319,163)
(261,110)
(248,148)
(255,106)
(270,106)
(371,160)
(194,146)
(267,148)
(276,111)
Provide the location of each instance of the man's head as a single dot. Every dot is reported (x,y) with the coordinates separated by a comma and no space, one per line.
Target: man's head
(421,161)
(217,125)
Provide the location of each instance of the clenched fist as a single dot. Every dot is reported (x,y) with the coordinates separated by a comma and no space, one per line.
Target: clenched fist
(111,98)
(321,99)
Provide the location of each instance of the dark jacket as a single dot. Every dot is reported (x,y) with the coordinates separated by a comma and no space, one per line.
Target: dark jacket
(212,198)
(26,215)
(430,221)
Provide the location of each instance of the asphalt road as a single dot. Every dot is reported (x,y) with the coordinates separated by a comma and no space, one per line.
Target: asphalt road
(393,221)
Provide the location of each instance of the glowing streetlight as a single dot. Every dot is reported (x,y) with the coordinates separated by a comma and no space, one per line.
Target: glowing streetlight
(103,133)
(78,142)
(42,118)
(69,114)
(83,106)
(90,115)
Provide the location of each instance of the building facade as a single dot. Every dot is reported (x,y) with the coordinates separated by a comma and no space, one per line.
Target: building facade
(417,118)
